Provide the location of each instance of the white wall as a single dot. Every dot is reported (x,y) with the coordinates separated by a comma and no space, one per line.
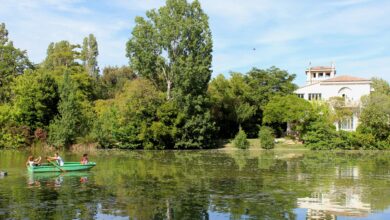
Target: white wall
(353,90)
(327,90)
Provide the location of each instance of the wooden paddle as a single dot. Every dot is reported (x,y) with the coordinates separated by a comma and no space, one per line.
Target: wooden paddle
(57,166)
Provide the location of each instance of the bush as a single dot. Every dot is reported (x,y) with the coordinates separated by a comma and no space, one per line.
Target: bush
(320,136)
(267,138)
(240,141)
(15,137)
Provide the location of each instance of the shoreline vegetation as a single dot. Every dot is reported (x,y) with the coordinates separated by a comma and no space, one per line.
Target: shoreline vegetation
(166,98)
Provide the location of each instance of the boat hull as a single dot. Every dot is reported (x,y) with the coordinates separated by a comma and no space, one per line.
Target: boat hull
(68,166)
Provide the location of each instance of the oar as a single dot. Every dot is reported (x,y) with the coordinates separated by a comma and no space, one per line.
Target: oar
(57,166)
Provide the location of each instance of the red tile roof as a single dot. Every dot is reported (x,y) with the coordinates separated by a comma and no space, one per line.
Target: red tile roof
(318,68)
(345,79)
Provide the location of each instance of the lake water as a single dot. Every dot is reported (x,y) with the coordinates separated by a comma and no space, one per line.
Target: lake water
(206,184)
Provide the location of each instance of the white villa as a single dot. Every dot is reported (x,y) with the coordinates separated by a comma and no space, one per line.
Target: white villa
(322,84)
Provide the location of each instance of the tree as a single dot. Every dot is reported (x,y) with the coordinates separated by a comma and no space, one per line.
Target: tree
(35,99)
(89,55)
(375,116)
(222,106)
(172,48)
(114,78)
(380,86)
(69,124)
(288,109)
(270,82)
(13,62)
(11,135)
(231,103)
(61,54)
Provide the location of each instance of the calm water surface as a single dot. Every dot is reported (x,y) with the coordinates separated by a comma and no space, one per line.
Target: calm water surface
(202,185)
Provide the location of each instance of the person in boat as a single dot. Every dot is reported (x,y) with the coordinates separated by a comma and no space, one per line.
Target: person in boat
(56,158)
(84,159)
(33,162)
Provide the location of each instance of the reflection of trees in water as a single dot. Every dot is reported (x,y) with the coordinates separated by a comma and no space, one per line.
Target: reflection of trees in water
(195,183)
(55,197)
(192,184)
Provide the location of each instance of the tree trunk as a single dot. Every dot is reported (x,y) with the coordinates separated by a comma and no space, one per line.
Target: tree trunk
(289,132)
(169,84)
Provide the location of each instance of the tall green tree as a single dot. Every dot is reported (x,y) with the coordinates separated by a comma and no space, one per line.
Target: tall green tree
(69,124)
(89,54)
(375,116)
(61,54)
(231,100)
(35,99)
(13,62)
(172,47)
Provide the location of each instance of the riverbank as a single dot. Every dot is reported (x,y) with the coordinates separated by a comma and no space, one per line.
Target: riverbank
(224,144)
(254,144)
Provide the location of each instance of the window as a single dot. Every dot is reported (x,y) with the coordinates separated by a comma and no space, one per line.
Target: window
(346,124)
(314,96)
(321,75)
(301,95)
(327,74)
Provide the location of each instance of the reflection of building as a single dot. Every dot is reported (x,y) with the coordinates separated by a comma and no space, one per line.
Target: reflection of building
(336,201)
(347,172)
(323,84)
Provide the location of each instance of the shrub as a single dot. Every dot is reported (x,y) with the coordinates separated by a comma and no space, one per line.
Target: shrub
(267,138)
(320,136)
(344,140)
(240,141)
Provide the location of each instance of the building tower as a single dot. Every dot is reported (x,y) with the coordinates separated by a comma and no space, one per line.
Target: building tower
(319,73)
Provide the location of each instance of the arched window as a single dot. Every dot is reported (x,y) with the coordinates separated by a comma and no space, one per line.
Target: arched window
(345,92)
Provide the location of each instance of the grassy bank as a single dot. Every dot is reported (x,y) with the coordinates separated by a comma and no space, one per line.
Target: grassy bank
(282,144)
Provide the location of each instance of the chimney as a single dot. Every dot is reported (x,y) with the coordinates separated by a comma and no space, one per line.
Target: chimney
(308,75)
(333,72)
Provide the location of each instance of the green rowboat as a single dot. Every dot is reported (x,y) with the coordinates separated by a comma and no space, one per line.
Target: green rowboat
(68,166)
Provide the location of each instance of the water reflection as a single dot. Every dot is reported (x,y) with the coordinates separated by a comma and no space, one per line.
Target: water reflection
(55,179)
(201,185)
(334,200)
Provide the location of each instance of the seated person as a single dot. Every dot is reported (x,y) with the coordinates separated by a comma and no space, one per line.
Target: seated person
(57,158)
(33,162)
(84,159)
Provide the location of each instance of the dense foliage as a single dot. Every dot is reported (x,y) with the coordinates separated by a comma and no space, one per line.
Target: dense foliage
(241,99)
(172,48)
(164,98)
(373,131)
(241,141)
(267,138)
(13,62)
(290,109)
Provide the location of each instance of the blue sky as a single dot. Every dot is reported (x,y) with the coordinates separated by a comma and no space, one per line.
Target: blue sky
(355,34)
